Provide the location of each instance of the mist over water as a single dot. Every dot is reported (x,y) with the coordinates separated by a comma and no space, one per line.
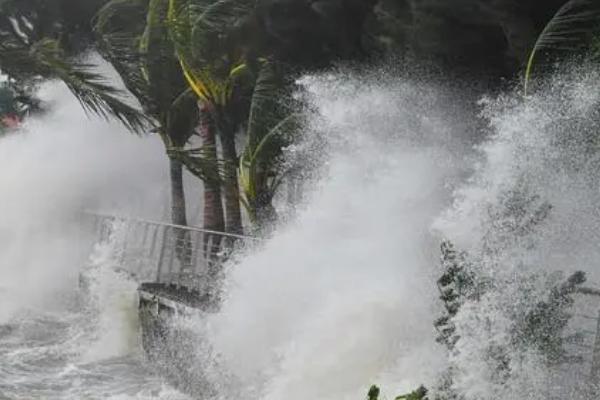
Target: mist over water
(54,168)
(57,342)
(345,295)
(542,155)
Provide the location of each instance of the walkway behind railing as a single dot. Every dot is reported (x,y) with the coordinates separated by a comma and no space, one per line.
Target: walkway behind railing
(164,253)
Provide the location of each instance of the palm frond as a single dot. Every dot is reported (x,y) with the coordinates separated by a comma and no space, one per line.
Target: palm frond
(263,161)
(201,162)
(134,37)
(271,124)
(104,21)
(281,131)
(29,53)
(118,26)
(160,65)
(199,29)
(46,59)
(215,21)
(570,30)
(182,117)
(263,105)
(98,97)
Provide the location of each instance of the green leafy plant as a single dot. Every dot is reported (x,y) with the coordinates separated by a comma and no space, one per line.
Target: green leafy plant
(419,394)
(373,393)
(542,327)
(538,323)
(456,285)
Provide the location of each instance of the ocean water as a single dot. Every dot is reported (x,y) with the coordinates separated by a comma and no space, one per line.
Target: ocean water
(344,295)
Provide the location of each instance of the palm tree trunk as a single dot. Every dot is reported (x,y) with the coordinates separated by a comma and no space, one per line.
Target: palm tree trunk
(213,206)
(233,212)
(183,246)
(178,211)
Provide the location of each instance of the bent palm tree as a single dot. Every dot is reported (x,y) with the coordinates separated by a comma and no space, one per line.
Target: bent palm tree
(132,36)
(200,30)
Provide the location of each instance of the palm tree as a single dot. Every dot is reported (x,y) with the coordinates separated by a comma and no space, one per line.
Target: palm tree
(32,47)
(214,216)
(242,74)
(228,51)
(133,37)
(574,28)
(201,31)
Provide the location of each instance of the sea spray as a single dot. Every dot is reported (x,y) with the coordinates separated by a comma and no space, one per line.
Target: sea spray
(343,297)
(112,300)
(527,218)
(54,344)
(54,167)
(90,348)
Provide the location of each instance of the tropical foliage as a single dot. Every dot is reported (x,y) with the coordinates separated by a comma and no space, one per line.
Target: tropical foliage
(214,80)
(174,42)
(210,76)
(214,77)
(201,33)
(36,42)
(133,36)
(575,28)
(419,394)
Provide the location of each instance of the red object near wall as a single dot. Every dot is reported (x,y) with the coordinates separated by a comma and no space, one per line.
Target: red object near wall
(10,121)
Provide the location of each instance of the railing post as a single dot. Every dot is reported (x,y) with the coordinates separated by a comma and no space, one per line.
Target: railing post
(172,239)
(595,372)
(126,226)
(163,246)
(153,241)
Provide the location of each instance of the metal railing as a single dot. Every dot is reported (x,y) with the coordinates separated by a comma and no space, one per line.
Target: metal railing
(164,253)
(191,258)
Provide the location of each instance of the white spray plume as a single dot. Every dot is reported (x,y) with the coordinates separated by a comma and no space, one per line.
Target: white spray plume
(54,167)
(343,297)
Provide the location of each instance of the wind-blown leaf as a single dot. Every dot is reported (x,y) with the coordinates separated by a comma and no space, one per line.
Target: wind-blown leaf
(97,96)
(199,30)
(570,30)
(45,58)
(263,106)
(200,162)
(160,66)
(182,118)
(28,54)
(134,37)
(271,124)
(261,162)
(118,27)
